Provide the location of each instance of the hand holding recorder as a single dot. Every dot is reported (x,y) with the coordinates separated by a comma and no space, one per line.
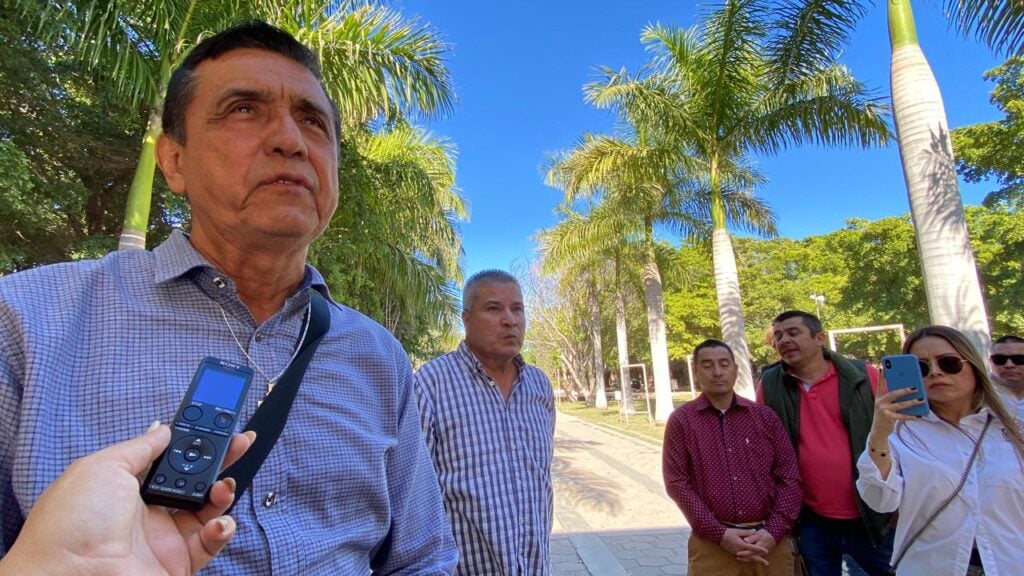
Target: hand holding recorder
(92,519)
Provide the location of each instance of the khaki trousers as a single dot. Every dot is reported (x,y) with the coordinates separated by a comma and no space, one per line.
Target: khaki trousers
(707,559)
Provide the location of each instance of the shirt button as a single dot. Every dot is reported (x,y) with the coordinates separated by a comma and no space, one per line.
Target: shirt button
(219,282)
(270,499)
(259,336)
(728,449)
(734,478)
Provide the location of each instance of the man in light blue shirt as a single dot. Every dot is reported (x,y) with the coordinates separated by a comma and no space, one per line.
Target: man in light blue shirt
(488,418)
(91,352)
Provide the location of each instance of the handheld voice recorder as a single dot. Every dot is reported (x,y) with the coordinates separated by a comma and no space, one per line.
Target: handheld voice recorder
(200,435)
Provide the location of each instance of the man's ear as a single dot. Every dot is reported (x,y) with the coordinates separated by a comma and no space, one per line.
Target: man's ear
(169,158)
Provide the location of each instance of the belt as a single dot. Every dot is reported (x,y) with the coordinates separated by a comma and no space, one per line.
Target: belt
(744,525)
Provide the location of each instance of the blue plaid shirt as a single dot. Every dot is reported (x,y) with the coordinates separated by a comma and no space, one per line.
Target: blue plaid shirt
(493,461)
(92,352)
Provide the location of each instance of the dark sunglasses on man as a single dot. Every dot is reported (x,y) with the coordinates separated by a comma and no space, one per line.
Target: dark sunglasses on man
(1000,359)
(948,364)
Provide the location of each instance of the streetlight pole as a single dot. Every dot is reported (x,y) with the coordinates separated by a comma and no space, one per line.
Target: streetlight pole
(819,301)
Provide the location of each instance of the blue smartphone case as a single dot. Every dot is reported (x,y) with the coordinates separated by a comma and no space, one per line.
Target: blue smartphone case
(902,372)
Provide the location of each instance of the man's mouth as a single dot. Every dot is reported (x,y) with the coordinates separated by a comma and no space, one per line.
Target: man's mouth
(289,179)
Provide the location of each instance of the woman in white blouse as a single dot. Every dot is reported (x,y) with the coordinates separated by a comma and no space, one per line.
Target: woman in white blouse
(914,464)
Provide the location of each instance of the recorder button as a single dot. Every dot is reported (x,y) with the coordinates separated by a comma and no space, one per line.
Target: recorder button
(200,487)
(223,420)
(192,413)
(180,483)
(160,479)
(191,455)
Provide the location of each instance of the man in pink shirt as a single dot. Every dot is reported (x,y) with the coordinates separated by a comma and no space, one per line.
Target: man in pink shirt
(826,403)
(730,468)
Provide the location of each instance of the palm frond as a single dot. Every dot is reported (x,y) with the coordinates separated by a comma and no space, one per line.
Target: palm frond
(998,23)
(808,35)
(375,62)
(828,108)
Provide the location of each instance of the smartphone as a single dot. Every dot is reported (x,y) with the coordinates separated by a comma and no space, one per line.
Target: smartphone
(200,435)
(902,371)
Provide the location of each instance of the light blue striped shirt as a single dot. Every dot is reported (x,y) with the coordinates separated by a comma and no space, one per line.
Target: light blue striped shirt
(92,352)
(493,461)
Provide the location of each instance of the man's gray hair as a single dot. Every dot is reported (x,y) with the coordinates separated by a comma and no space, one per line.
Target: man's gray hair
(492,276)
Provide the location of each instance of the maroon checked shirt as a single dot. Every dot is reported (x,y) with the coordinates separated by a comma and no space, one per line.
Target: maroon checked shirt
(732,467)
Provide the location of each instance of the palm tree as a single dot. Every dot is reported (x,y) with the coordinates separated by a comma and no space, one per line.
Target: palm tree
(395,247)
(581,245)
(374,61)
(753,80)
(948,267)
(947,262)
(634,175)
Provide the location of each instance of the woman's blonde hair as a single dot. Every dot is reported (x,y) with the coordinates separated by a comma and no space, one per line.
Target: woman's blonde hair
(984,390)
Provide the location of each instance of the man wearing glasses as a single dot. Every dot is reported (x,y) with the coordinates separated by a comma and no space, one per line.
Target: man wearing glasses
(1008,368)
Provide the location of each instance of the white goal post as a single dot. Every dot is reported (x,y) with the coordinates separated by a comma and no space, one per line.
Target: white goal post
(833,333)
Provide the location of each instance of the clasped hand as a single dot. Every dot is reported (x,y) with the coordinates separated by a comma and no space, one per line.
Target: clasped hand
(748,545)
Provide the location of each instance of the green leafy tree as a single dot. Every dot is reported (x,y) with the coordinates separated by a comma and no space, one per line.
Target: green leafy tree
(66,143)
(393,249)
(991,150)
(597,246)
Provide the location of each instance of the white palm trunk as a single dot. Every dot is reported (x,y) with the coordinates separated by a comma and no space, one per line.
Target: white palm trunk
(730,309)
(947,262)
(654,300)
(600,397)
(622,342)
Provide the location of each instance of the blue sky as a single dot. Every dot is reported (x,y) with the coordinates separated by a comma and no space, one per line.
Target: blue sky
(519,67)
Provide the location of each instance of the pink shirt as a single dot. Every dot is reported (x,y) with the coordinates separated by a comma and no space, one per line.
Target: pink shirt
(826,465)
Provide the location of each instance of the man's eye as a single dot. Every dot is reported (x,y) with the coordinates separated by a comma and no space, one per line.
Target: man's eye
(243,107)
(315,121)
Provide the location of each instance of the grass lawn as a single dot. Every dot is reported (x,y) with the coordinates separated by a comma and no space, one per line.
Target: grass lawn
(638,424)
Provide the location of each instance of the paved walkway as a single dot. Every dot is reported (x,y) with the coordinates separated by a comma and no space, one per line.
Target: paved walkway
(612,517)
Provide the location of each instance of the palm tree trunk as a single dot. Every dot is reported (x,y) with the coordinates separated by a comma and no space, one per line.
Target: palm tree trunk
(655,302)
(600,396)
(727,286)
(730,308)
(140,195)
(622,341)
(947,262)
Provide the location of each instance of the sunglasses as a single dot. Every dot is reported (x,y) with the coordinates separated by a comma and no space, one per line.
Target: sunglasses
(1000,359)
(948,364)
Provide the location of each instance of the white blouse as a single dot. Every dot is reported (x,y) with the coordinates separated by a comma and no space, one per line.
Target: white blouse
(929,457)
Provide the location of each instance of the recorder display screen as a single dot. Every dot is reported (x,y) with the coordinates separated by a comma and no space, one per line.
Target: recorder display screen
(219,387)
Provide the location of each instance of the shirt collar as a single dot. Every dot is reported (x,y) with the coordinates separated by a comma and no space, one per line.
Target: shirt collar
(829,372)
(975,418)
(176,257)
(702,403)
(466,354)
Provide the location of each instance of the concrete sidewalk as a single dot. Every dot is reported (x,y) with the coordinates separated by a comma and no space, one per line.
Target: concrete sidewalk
(612,517)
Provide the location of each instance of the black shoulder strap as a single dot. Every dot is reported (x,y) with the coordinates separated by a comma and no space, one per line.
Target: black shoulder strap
(270,417)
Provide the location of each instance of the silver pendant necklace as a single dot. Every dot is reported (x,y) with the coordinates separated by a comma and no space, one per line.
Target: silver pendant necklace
(270,381)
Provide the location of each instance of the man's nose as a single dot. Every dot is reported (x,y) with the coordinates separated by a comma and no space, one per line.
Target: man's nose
(285,137)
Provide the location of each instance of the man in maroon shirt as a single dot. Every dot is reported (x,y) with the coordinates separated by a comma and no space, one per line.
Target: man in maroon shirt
(729,466)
